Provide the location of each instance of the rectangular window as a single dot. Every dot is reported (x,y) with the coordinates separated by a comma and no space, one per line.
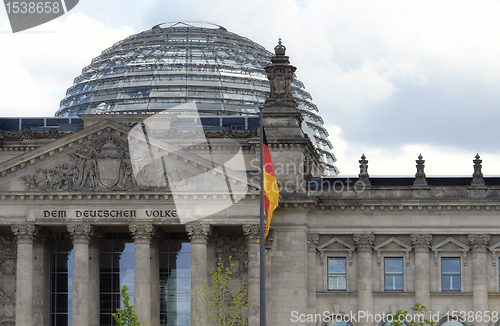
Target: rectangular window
(393,274)
(337,274)
(450,274)
(175,279)
(116,268)
(61,275)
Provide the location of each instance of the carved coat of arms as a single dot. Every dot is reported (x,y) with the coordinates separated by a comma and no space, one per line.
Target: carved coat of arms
(105,164)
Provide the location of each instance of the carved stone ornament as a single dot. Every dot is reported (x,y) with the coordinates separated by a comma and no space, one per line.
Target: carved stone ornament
(25,232)
(312,241)
(32,134)
(420,175)
(280,74)
(105,164)
(235,247)
(252,231)
(80,232)
(421,241)
(142,232)
(479,241)
(477,177)
(198,233)
(364,242)
(8,257)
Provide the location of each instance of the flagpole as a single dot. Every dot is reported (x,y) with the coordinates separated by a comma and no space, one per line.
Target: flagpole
(262,228)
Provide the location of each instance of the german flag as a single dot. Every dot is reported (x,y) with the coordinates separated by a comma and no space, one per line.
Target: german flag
(271,191)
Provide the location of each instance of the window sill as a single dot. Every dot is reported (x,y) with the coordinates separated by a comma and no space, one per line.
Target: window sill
(451,293)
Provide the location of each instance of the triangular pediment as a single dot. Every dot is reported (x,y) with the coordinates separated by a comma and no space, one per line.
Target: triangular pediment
(393,244)
(450,244)
(97,158)
(336,244)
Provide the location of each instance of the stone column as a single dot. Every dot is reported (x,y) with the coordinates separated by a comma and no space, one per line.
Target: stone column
(25,234)
(155,278)
(479,244)
(94,278)
(198,234)
(421,245)
(142,234)
(81,235)
(364,244)
(41,279)
(252,233)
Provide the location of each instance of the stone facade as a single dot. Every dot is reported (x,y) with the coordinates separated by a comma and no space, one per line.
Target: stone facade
(81,184)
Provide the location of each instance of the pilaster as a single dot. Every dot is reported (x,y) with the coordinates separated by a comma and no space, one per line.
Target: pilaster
(252,233)
(479,244)
(25,234)
(94,277)
(142,235)
(41,278)
(421,245)
(81,235)
(364,245)
(198,234)
(312,244)
(155,277)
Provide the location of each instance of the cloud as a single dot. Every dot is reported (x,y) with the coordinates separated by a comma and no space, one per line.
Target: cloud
(42,62)
(391,78)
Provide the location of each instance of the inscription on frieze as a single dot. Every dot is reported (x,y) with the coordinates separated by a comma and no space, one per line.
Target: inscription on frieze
(37,214)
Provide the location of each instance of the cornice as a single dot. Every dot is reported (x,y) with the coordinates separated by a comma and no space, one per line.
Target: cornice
(117,195)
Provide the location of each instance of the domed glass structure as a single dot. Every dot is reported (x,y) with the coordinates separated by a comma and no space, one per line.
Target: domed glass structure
(180,62)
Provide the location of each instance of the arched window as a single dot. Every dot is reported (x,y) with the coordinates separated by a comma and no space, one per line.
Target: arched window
(337,320)
(446,322)
(338,323)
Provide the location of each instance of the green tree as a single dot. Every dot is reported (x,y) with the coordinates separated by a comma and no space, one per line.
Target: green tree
(126,316)
(220,305)
(416,319)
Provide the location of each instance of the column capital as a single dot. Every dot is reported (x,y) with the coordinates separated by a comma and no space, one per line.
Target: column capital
(269,240)
(142,232)
(25,232)
(157,236)
(421,242)
(43,236)
(364,242)
(312,241)
(479,242)
(81,233)
(198,233)
(252,231)
(97,236)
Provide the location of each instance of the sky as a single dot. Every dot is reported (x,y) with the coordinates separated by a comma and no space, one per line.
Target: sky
(392,79)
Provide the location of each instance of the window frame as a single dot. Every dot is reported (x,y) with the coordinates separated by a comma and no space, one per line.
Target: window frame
(328,274)
(402,274)
(451,275)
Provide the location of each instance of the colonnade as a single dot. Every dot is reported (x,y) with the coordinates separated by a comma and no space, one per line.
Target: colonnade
(33,308)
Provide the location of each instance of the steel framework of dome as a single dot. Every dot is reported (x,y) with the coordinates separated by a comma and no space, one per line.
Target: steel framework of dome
(186,61)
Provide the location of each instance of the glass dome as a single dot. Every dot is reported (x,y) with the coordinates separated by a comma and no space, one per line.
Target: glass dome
(179,62)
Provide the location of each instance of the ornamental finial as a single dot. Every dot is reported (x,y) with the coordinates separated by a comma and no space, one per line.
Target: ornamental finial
(420,175)
(477,177)
(280,49)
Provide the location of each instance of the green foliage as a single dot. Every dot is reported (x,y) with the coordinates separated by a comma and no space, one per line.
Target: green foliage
(417,318)
(219,305)
(126,316)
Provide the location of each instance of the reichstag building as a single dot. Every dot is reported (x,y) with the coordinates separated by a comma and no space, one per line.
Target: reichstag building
(119,188)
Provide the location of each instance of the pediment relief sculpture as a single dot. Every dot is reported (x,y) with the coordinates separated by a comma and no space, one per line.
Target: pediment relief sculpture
(103,164)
